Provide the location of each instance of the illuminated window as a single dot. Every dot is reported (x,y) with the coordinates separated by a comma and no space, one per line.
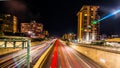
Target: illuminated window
(91,16)
(92,9)
(85,14)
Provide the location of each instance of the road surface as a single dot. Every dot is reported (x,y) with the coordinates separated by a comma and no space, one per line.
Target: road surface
(64,56)
(60,56)
(19,59)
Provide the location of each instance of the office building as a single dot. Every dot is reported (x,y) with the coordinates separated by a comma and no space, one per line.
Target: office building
(8,23)
(32,29)
(86,30)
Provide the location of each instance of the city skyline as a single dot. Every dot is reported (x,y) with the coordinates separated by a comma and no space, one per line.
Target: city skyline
(59,34)
(60,17)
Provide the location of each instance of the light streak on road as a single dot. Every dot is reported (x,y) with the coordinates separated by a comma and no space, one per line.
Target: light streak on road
(54,62)
(60,56)
(71,59)
(67,57)
(19,59)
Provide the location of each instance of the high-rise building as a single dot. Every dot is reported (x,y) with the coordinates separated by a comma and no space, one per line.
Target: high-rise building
(69,36)
(86,30)
(9,23)
(32,29)
(46,33)
(25,27)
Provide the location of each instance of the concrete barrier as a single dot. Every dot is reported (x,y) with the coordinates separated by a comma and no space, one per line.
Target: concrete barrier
(4,51)
(41,60)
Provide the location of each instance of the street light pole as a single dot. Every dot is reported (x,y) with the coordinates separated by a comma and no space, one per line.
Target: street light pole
(28,54)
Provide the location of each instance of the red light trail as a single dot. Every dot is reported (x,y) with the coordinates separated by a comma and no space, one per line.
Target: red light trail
(54,63)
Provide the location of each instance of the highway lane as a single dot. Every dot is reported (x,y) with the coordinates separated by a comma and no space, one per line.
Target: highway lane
(19,59)
(64,56)
(54,61)
(60,56)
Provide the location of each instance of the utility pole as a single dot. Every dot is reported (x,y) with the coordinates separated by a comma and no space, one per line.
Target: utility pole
(28,54)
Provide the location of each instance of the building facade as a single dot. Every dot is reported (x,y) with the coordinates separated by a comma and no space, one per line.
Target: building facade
(32,29)
(25,27)
(69,36)
(46,33)
(9,23)
(86,30)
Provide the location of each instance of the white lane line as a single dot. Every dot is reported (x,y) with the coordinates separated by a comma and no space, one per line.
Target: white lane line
(82,60)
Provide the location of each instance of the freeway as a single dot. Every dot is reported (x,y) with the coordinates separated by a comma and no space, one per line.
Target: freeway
(64,56)
(19,59)
(50,54)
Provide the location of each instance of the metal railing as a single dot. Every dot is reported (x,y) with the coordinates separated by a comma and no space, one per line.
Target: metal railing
(24,44)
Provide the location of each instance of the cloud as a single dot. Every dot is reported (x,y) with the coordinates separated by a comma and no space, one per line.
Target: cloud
(15,6)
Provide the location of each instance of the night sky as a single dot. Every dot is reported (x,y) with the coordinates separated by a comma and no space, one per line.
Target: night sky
(59,16)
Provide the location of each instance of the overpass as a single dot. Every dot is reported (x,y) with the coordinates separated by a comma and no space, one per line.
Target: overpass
(16,42)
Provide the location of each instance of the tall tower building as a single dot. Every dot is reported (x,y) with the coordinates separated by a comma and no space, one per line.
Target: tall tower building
(86,30)
(9,23)
(15,29)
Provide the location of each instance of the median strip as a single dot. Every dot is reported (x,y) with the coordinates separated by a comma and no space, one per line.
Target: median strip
(40,62)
